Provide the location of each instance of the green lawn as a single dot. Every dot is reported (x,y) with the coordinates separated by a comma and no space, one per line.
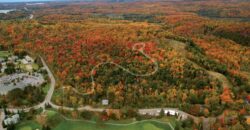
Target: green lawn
(58,123)
(51,113)
(28,125)
(4,54)
(35,66)
(85,125)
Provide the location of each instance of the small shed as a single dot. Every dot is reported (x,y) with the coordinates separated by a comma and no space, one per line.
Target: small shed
(105,102)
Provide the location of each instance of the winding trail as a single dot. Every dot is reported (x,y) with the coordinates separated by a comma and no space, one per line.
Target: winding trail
(141,50)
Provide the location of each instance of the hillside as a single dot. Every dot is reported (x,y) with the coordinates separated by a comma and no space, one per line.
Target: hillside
(188,55)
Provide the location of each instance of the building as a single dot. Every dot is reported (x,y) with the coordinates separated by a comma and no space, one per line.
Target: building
(12,58)
(24,61)
(4,66)
(12,120)
(105,102)
(29,59)
(170,112)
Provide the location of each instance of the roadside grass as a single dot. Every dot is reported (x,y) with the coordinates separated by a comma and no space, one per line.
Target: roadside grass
(46,88)
(171,120)
(51,113)
(28,125)
(125,121)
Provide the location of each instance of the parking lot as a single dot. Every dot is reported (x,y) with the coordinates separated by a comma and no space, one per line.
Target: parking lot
(22,80)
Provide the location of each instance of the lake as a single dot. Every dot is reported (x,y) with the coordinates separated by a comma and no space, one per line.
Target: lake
(6,11)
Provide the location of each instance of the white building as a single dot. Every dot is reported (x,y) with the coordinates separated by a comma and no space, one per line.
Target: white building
(4,66)
(12,120)
(24,61)
(105,102)
(171,112)
(3,69)
(29,59)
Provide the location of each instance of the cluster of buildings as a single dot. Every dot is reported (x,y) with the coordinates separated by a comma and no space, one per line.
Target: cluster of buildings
(14,119)
(20,73)
(27,61)
(167,111)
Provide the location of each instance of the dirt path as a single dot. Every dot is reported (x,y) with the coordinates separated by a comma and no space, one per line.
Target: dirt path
(223,79)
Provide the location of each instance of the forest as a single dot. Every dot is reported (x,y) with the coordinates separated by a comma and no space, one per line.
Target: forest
(201,50)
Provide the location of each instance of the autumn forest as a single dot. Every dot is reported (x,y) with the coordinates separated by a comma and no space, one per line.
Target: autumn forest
(201,49)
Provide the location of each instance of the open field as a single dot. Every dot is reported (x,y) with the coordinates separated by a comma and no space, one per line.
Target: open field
(64,124)
(85,125)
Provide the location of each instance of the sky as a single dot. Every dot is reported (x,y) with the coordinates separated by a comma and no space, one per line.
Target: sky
(23,0)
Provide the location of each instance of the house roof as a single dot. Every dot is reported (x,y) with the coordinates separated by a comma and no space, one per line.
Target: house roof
(28,58)
(105,102)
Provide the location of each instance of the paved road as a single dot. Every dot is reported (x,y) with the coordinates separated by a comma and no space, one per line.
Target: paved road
(52,84)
